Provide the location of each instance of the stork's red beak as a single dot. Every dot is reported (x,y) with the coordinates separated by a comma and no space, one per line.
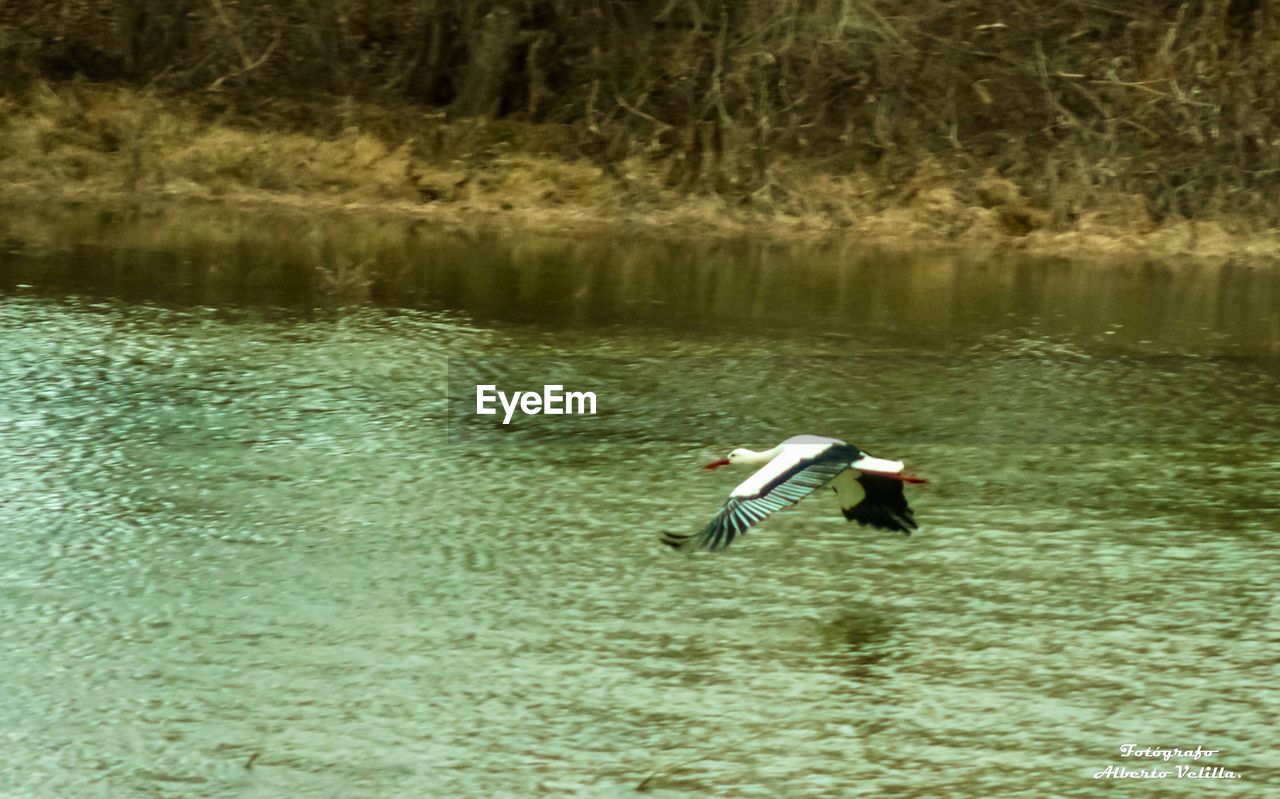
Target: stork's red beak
(716,464)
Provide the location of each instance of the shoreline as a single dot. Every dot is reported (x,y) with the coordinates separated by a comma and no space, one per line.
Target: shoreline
(116,150)
(902,230)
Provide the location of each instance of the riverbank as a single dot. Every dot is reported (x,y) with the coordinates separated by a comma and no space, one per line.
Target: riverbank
(119,149)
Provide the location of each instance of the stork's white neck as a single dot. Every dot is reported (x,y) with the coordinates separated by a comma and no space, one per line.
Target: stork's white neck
(750,457)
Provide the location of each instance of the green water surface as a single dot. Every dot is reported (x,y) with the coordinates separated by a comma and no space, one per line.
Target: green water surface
(240,517)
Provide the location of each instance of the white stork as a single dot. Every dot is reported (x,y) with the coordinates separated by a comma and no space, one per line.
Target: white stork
(795,469)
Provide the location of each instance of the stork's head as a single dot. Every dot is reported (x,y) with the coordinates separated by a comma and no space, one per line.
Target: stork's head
(738,456)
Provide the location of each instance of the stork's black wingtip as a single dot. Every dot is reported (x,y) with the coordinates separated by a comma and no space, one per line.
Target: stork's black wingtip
(673,540)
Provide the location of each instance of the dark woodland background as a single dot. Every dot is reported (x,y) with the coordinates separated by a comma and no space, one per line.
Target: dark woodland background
(1177,102)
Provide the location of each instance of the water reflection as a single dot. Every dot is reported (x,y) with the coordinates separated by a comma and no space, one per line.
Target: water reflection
(836,293)
(234,522)
(860,639)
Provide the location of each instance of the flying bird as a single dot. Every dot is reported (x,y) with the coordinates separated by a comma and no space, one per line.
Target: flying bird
(870,489)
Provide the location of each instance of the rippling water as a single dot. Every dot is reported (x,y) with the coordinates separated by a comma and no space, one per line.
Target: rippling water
(250,549)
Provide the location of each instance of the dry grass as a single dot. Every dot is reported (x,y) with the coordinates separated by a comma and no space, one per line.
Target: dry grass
(105,138)
(120,148)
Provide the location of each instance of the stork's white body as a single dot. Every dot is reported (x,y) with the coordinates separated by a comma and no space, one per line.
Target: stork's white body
(794,450)
(869,488)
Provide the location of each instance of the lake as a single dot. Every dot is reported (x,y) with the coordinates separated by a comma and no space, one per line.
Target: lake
(257,543)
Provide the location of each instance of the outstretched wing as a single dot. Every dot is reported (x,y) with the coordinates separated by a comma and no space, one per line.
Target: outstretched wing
(883,505)
(783,482)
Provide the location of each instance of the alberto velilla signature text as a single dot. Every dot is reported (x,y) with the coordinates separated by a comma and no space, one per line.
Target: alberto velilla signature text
(1165,770)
